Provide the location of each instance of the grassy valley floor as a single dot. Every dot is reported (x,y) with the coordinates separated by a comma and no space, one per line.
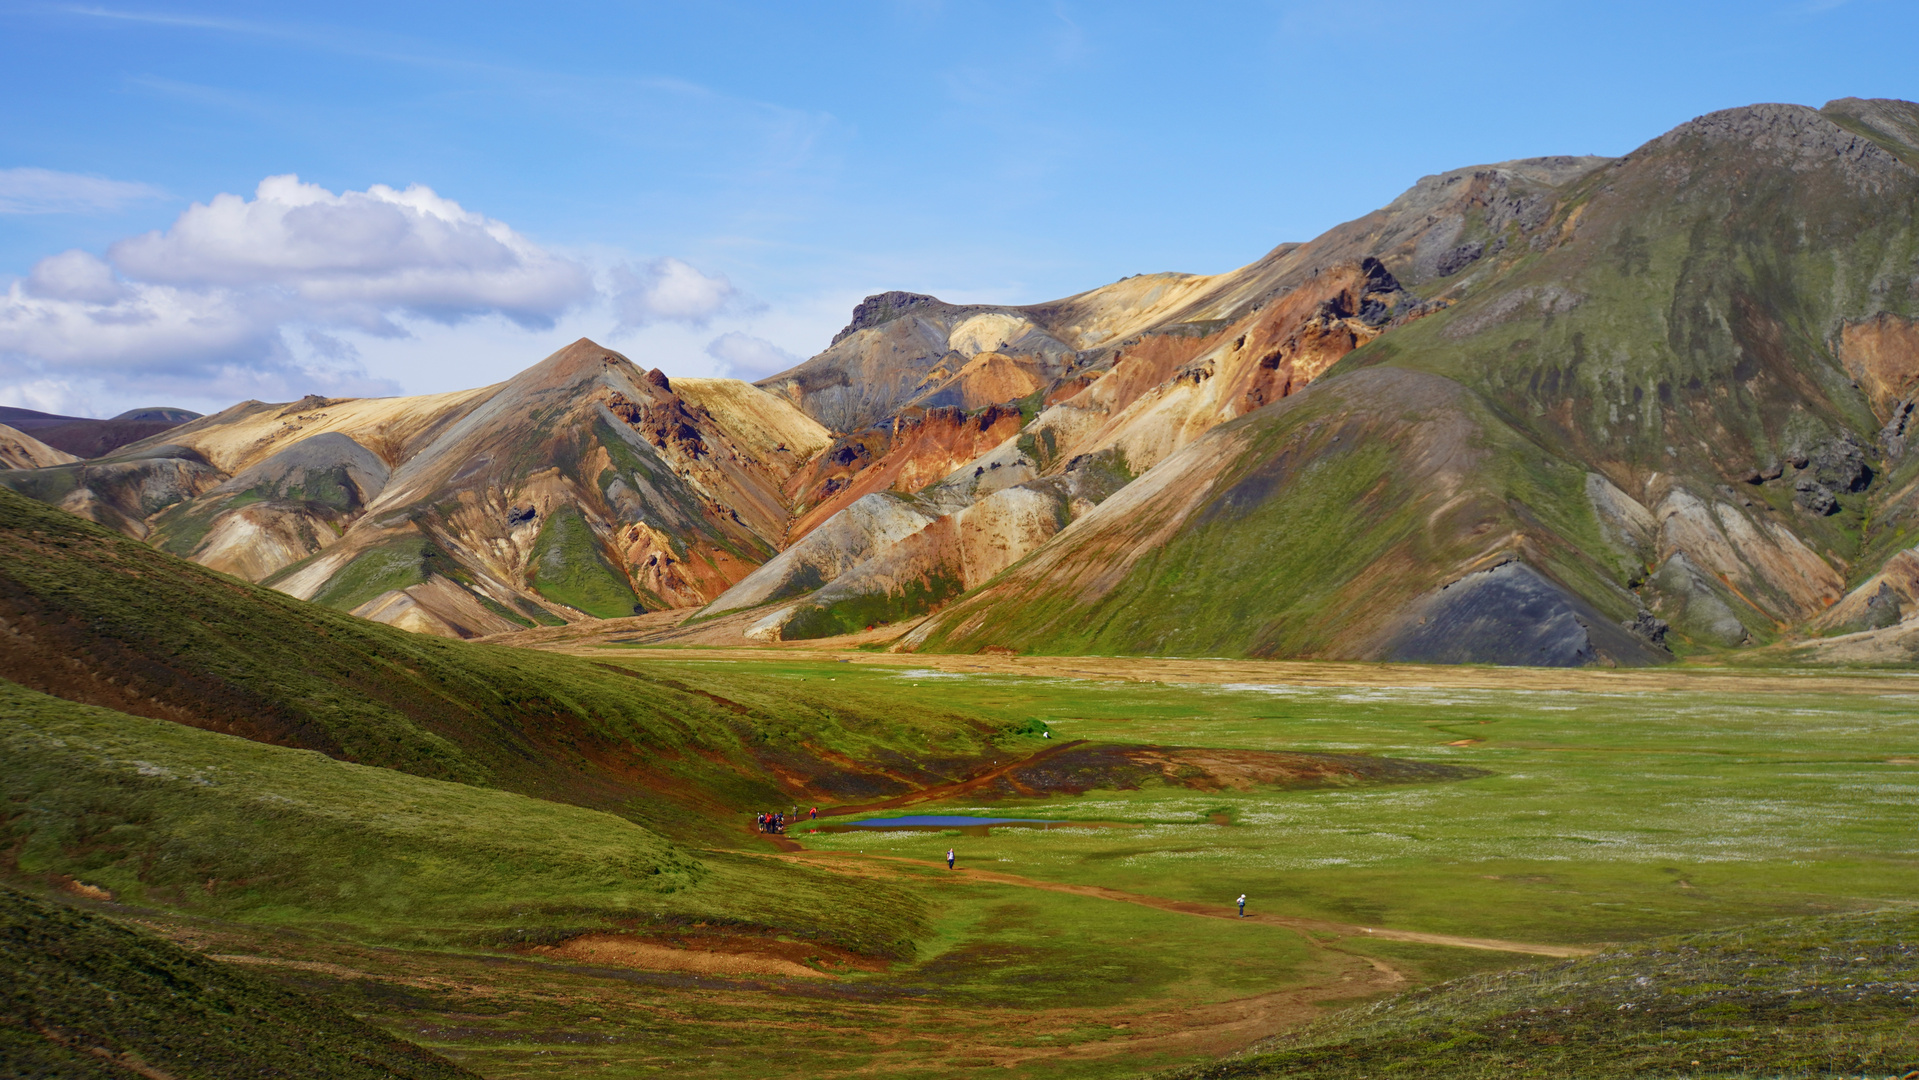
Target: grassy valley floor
(1530,811)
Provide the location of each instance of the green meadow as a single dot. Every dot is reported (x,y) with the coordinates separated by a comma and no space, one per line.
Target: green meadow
(1606,817)
(442,911)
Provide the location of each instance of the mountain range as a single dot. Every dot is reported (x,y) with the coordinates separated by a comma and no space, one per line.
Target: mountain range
(1558,411)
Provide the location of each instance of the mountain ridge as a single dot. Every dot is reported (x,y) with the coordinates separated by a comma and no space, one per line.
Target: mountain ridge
(1690,372)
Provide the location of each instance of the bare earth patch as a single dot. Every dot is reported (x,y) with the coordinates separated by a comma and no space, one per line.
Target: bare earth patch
(698,957)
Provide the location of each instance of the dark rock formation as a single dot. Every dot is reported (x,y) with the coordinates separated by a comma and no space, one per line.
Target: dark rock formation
(882,308)
(1452,262)
(1512,614)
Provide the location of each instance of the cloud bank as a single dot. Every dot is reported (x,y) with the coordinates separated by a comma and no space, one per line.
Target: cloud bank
(276,295)
(245,297)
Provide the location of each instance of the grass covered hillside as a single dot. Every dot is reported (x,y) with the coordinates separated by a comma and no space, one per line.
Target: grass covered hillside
(102,619)
(1310,528)
(87,997)
(165,815)
(1798,997)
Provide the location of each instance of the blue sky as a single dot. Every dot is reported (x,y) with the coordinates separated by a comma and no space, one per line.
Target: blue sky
(710,187)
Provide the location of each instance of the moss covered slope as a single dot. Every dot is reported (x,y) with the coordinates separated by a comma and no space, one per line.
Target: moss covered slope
(157,813)
(87,997)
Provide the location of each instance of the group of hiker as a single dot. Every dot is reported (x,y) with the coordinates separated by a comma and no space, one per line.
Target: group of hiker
(775,821)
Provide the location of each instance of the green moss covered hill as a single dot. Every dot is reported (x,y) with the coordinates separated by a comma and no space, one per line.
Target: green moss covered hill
(101,619)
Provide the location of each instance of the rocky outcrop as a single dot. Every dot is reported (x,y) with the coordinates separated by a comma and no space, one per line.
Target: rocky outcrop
(1511,614)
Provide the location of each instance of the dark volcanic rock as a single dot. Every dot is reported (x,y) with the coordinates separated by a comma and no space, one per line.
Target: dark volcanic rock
(1649,628)
(1452,262)
(1882,608)
(882,308)
(1814,496)
(1512,614)
(1840,464)
(1895,436)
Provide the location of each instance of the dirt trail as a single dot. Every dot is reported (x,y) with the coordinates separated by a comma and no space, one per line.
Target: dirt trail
(1307,927)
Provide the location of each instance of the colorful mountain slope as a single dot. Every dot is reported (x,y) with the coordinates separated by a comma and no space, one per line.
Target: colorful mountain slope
(582,488)
(1681,388)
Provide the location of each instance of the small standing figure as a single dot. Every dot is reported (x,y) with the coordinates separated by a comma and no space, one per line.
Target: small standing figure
(1242,905)
(949,858)
(815,813)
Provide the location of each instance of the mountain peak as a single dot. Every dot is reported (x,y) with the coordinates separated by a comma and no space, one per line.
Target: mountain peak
(883,308)
(1796,135)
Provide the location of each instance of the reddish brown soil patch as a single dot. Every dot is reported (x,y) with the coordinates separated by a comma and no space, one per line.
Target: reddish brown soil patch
(1080,766)
(706,955)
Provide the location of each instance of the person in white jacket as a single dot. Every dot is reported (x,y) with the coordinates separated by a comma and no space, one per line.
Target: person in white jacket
(1242,905)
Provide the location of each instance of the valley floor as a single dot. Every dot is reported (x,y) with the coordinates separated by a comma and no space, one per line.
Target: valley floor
(1607,807)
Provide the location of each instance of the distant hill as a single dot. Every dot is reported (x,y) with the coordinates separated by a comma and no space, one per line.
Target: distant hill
(19,450)
(83,437)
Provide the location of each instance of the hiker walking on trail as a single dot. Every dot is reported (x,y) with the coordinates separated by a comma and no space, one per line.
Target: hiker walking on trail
(815,813)
(949,858)
(1242,905)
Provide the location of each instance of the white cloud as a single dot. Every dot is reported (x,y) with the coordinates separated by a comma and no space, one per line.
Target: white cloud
(44,191)
(359,255)
(668,290)
(744,356)
(74,275)
(247,297)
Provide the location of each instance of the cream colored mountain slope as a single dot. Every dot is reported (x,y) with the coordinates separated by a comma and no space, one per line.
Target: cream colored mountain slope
(19,450)
(757,422)
(393,428)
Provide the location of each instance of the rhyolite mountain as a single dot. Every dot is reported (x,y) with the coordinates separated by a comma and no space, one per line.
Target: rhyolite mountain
(1563,410)
(583,487)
